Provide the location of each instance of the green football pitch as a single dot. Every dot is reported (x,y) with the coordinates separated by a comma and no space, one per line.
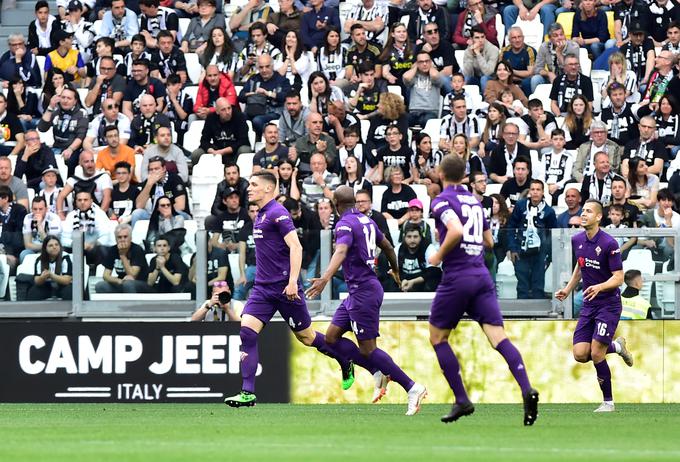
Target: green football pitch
(200,433)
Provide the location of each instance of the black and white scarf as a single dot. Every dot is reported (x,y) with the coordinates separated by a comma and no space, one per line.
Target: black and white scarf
(604,194)
(84,220)
(160,190)
(531,240)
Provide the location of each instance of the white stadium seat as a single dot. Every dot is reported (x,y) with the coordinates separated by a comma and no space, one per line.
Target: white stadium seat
(139,232)
(542,92)
(192,138)
(641,259)
(245,164)
(506,281)
(193,67)
(378,191)
(533,31)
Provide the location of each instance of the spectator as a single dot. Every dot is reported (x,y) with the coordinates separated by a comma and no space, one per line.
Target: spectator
(268,157)
(48,187)
(40,31)
(365,206)
(661,14)
(16,186)
(476,14)
(314,141)
(557,165)
(20,63)
(107,85)
(396,198)
(577,122)
(514,188)
(218,307)
(634,305)
(479,59)
(142,84)
(568,85)
(37,225)
(215,85)
(296,65)
(638,48)
(352,176)
(528,10)
(220,51)
(415,271)
(531,222)
(662,216)
(246,255)
(232,179)
(12,220)
(292,124)
(590,28)
(255,11)
(264,95)
(167,271)
(315,22)
(416,220)
(440,50)
(352,147)
(154,19)
(644,186)
(620,74)
(647,148)
(110,117)
(168,59)
(119,23)
(82,30)
(398,56)
(493,129)
(228,223)
(320,183)
(616,222)
(668,126)
(94,224)
(53,275)
(104,47)
(360,52)
(278,23)
(571,218)
(425,163)
(504,155)
(34,159)
(477,186)
(550,61)
(498,223)
(288,182)
(673,38)
(114,152)
(127,260)
(178,107)
(175,161)
(598,185)
(137,51)
(160,183)
(661,81)
(459,122)
(325,211)
(225,134)
(24,104)
(428,13)
(396,154)
(522,58)
(584,164)
(258,46)
(365,100)
(631,213)
(307,226)
(390,110)
(165,223)
(97,182)
(425,83)
(124,194)
(629,16)
(503,81)
(371,15)
(69,126)
(331,57)
(537,127)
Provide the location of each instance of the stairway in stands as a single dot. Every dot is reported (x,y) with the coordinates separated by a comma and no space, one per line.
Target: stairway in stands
(16,20)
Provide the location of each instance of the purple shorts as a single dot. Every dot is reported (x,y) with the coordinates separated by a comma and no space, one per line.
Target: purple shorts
(598,323)
(360,311)
(474,294)
(265,300)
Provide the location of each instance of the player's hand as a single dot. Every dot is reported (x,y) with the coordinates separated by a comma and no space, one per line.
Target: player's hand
(317,287)
(561,294)
(435,259)
(291,291)
(396,277)
(591,292)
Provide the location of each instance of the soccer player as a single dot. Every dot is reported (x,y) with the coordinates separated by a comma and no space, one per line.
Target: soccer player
(279,256)
(467,287)
(356,237)
(599,263)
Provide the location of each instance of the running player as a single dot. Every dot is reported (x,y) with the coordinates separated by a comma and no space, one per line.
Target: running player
(599,263)
(279,256)
(467,287)
(356,236)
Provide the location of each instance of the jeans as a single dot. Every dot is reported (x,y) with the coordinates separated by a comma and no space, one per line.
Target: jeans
(595,49)
(479,81)
(530,272)
(547,15)
(535,81)
(420,117)
(241,290)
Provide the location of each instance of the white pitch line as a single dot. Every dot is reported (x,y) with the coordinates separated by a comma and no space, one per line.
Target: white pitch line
(88,389)
(82,395)
(174,389)
(195,395)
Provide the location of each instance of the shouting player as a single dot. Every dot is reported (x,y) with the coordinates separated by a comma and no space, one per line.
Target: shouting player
(467,287)
(279,256)
(356,237)
(599,263)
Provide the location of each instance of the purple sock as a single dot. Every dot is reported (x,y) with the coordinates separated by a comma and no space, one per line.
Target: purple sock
(249,358)
(451,370)
(320,344)
(604,377)
(515,363)
(611,349)
(384,362)
(348,349)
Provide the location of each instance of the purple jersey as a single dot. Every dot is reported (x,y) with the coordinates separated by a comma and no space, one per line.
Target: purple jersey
(598,259)
(361,235)
(272,254)
(468,254)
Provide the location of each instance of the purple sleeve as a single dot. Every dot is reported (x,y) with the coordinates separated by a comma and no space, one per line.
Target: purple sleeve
(438,207)
(344,235)
(614,256)
(284,224)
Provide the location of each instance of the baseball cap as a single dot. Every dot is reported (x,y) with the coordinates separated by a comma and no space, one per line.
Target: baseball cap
(229,191)
(61,34)
(74,5)
(415,203)
(49,169)
(636,28)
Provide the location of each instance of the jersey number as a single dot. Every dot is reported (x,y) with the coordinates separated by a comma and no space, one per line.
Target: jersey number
(473,227)
(369,234)
(602,329)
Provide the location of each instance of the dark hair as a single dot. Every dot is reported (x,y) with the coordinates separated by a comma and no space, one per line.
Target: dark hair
(364,191)
(508,67)
(138,38)
(173,79)
(475,174)
(633,164)
(151,3)
(122,164)
(291,204)
(157,159)
(537,181)
(110,128)
(313,76)
(360,171)
(503,212)
(141,62)
(265,175)
(453,168)
(296,94)
(621,179)
(49,90)
(12,103)
(45,259)
(365,67)
(5,191)
(329,29)
(477,30)
(457,98)
(164,33)
(356,26)
(419,137)
(556,132)
(41,4)
(229,165)
(108,41)
(522,159)
(616,208)
(300,47)
(411,227)
(152,234)
(37,199)
(257,26)
(670,99)
(226,54)
(596,203)
(631,274)
(534,103)
(665,194)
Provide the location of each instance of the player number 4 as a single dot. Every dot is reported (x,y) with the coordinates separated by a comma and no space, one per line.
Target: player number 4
(602,329)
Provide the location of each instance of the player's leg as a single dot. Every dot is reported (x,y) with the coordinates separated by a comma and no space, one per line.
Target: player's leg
(250,329)
(598,351)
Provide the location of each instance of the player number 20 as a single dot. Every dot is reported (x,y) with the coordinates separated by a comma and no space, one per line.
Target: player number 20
(602,329)
(473,227)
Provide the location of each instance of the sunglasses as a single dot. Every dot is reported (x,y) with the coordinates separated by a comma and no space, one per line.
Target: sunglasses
(432,31)
(163,205)
(112,106)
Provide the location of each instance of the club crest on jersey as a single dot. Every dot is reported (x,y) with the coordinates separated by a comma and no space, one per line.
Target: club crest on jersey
(581,262)
(598,250)
(281,218)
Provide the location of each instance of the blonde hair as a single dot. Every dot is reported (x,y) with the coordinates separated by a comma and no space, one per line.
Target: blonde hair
(391,106)
(618,58)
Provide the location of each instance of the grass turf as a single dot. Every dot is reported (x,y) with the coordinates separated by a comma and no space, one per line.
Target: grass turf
(177,432)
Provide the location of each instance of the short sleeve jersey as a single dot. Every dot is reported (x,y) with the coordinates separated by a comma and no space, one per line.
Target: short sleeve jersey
(361,235)
(468,254)
(136,257)
(271,226)
(598,258)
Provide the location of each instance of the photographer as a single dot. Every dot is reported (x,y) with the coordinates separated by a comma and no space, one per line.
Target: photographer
(218,308)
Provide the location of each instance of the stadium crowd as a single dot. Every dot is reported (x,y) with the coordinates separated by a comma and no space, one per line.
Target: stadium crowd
(109,107)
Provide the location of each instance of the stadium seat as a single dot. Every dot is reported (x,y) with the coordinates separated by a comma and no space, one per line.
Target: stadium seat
(493,188)
(183,26)
(506,281)
(365,125)
(97,27)
(46,138)
(192,90)
(245,164)
(192,138)
(139,232)
(41,64)
(584,60)
(378,191)
(542,92)
(251,133)
(459,55)
(139,158)
(432,128)
(26,267)
(233,266)
(566,20)
(405,19)
(186,258)
(641,259)
(665,294)
(533,31)
(500,31)
(393,226)
(194,68)
(475,96)
(82,94)
(203,197)
(396,89)
(548,280)
(189,245)
(4,275)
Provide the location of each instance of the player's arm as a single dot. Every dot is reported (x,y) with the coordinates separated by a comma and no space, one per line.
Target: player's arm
(295,247)
(386,246)
(318,284)
(612,283)
(575,277)
(488,240)
(454,233)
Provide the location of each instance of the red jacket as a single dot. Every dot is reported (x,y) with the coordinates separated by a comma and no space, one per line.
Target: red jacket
(489,27)
(226,90)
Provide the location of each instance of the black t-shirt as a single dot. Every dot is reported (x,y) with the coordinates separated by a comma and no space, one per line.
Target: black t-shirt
(376,133)
(175,265)
(637,56)
(368,101)
(403,157)
(412,265)
(651,151)
(487,206)
(123,203)
(396,204)
(564,90)
(10,126)
(246,235)
(136,257)
(512,191)
(229,224)
(443,56)
(217,258)
(269,159)
(133,91)
(170,64)
(356,57)
(631,215)
(621,127)
(173,188)
(108,88)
